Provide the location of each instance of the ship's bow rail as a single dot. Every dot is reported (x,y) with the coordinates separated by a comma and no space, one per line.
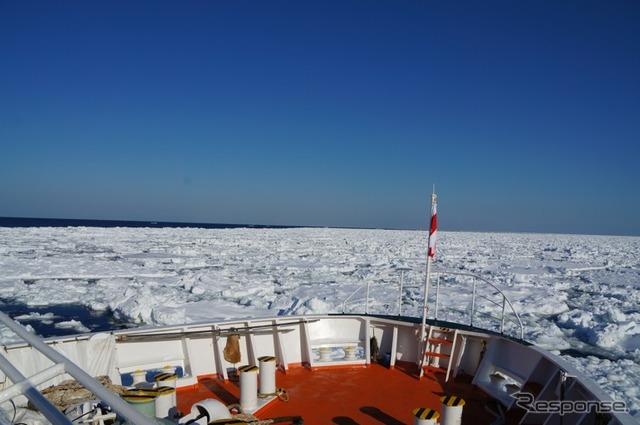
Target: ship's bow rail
(453,296)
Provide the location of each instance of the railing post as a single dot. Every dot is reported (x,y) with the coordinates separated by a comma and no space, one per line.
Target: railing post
(504,302)
(437,296)
(400,294)
(473,301)
(366,306)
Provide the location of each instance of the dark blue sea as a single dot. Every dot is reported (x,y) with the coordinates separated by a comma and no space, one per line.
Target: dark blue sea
(96,321)
(72,222)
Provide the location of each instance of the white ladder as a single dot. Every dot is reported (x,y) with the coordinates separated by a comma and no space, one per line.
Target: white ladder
(439,348)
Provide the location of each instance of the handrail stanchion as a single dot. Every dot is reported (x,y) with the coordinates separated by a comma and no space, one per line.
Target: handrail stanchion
(504,302)
(473,301)
(366,306)
(344,303)
(400,294)
(435,313)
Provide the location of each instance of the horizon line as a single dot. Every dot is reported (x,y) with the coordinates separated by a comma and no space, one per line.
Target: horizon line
(95,222)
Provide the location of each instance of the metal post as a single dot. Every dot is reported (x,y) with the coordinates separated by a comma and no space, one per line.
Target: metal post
(400,294)
(422,344)
(425,305)
(366,307)
(435,313)
(504,302)
(473,301)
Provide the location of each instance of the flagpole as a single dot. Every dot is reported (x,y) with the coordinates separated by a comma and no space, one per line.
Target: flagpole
(430,255)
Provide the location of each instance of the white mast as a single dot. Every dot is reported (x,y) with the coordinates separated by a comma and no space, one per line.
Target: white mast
(430,255)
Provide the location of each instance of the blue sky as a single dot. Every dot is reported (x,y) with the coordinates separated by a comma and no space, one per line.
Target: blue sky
(525,114)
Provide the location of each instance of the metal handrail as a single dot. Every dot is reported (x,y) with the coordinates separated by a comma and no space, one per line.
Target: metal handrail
(27,385)
(366,307)
(505,299)
(502,303)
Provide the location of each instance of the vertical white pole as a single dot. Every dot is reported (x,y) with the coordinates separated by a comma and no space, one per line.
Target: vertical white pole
(400,295)
(425,307)
(366,307)
(422,345)
(435,310)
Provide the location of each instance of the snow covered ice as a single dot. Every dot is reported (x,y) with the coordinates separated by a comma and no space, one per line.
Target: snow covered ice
(576,295)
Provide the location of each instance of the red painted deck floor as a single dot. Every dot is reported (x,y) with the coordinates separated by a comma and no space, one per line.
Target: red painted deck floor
(353,395)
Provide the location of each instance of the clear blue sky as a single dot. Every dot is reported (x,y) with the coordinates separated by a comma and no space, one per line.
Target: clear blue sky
(525,114)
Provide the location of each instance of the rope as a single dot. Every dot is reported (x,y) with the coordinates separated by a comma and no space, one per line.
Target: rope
(250,419)
(237,419)
(281,393)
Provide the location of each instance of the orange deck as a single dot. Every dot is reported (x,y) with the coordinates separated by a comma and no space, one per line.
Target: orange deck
(351,395)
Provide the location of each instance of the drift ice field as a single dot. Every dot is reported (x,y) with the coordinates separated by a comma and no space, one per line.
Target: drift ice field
(578,296)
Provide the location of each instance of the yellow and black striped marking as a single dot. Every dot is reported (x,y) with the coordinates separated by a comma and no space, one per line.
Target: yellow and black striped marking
(165,377)
(267,359)
(425,413)
(140,395)
(248,368)
(165,390)
(452,401)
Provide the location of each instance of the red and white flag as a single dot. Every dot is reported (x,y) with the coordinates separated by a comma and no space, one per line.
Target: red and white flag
(433,229)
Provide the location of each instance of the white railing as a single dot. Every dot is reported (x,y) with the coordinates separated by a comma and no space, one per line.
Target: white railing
(26,386)
(480,305)
(366,285)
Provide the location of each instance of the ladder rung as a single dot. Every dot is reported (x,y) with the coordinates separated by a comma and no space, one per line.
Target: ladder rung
(432,354)
(435,369)
(440,341)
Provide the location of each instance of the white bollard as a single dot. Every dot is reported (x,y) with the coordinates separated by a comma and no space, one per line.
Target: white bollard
(144,401)
(425,416)
(139,377)
(166,380)
(451,410)
(267,375)
(166,403)
(248,388)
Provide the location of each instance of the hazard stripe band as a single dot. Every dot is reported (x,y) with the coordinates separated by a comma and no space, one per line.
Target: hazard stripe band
(425,413)
(165,377)
(248,368)
(141,396)
(267,359)
(452,401)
